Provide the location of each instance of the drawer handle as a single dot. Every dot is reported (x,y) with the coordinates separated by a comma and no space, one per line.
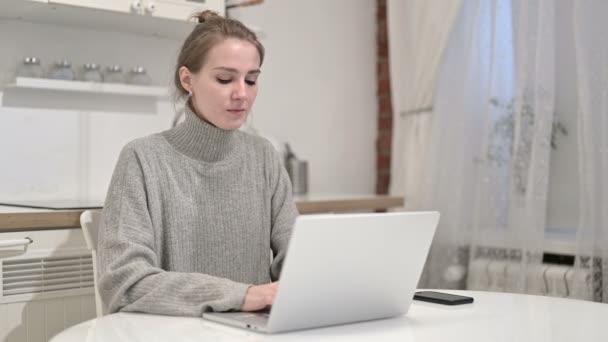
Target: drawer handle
(17,242)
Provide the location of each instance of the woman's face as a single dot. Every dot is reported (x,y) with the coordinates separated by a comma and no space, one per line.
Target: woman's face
(224,90)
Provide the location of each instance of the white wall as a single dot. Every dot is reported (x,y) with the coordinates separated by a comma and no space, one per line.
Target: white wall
(318,86)
(317,92)
(67,154)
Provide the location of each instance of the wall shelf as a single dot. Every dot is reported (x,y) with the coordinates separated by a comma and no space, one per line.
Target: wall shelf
(48,94)
(88,87)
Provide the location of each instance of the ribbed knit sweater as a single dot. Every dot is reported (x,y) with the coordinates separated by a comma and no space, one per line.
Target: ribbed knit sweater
(190,220)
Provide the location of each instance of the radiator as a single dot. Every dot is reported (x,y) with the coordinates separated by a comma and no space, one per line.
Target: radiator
(541,279)
(45,286)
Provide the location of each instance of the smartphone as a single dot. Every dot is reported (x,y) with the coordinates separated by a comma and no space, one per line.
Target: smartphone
(442,298)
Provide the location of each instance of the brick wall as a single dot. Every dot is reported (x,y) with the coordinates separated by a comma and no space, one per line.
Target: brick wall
(385,109)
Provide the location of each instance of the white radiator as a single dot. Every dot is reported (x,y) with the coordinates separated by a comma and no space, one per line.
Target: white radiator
(45,286)
(542,279)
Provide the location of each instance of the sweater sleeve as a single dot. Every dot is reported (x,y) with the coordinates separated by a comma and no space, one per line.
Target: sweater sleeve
(283,214)
(130,273)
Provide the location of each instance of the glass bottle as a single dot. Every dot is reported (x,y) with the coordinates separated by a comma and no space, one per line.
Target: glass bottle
(30,67)
(139,76)
(62,70)
(91,73)
(113,74)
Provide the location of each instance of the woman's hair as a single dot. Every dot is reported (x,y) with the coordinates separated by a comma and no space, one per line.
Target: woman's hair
(211,30)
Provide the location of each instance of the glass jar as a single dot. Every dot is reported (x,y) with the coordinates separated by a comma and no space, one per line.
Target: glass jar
(139,76)
(30,67)
(62,70)
(113,74)
(91,73)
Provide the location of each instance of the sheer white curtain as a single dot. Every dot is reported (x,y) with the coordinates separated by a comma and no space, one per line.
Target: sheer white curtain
(418,32)
(487,164)
(591,44)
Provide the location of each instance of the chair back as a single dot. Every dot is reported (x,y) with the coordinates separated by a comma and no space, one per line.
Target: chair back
(89,221)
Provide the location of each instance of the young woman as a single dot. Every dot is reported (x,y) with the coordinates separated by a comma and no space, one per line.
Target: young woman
(193,213)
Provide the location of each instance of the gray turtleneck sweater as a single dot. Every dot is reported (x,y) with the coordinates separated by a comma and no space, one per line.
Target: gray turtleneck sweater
(190,220)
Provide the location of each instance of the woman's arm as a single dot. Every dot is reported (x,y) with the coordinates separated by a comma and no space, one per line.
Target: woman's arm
(283,213)
(130,275)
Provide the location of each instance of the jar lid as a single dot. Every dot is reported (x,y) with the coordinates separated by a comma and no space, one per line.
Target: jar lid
(64,63)
(138,70)
(31,60)
(114,68)
(91,66)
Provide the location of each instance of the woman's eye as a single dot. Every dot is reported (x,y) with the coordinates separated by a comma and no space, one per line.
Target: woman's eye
(223,80)
(250,82)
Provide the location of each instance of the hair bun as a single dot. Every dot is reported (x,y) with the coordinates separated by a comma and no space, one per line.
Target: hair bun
(206,15)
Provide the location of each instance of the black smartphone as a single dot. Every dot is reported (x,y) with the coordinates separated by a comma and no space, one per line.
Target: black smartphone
(442,298)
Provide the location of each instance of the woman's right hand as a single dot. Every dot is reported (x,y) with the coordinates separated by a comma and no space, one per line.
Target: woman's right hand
(259,297)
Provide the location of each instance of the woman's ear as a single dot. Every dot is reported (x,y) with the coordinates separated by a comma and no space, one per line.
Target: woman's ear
(185,77)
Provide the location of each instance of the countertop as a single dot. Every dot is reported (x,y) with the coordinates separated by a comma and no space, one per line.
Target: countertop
(16,218)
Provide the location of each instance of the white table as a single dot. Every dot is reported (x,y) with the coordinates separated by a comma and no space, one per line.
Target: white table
(493,317)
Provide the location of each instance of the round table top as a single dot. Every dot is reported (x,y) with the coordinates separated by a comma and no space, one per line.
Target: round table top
(492,317)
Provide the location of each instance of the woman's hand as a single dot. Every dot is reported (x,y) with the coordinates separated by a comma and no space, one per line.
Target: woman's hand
(260,297)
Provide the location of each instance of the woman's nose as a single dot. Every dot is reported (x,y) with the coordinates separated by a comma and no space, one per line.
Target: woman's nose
(239,91)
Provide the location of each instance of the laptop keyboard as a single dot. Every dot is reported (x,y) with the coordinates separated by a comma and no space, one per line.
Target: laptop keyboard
(258,319)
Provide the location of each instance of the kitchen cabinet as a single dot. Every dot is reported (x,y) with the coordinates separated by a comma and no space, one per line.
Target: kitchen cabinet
(180,9)
(169,9)
(124,6)
(162,18)
(46,284)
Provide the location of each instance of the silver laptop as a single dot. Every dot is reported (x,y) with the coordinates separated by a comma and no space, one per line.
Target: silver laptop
(345,268)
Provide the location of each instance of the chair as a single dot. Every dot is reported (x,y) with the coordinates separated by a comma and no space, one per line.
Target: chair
(89,220)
